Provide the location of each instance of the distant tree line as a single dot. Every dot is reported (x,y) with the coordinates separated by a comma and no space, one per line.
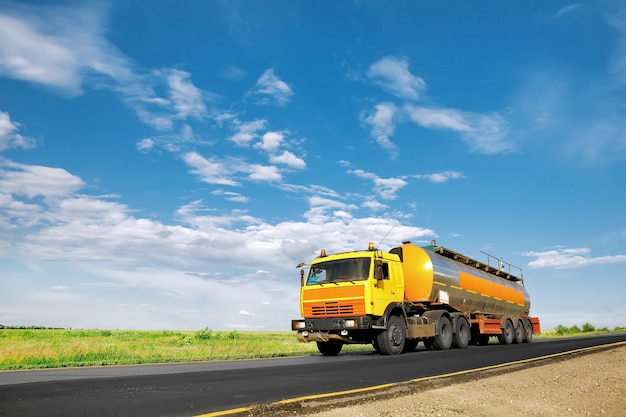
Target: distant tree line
(586,328)
(4,326)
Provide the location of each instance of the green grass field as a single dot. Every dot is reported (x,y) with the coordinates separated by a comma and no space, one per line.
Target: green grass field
(56,348)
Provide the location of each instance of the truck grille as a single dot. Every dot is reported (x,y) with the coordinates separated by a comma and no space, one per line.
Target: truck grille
(342,301)
(334,309)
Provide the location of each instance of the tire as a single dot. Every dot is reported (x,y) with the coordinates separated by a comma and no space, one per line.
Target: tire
(445,334)
(462,333)
(519,335)
(392,340)
(506,338)
(528,331)
(330,348)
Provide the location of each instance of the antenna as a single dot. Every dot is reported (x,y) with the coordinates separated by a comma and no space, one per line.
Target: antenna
(390,230)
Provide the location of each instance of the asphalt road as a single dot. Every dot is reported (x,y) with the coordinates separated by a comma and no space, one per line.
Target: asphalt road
(198,388)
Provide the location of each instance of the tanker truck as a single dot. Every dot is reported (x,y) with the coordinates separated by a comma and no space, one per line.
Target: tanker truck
(393,300)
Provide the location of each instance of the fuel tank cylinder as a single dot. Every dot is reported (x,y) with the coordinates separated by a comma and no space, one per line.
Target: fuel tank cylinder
(433,278)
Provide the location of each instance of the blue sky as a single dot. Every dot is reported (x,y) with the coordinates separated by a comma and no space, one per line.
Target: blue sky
(165,165)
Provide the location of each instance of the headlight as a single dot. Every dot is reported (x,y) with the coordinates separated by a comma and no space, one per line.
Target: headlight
(349,323)
(297,325)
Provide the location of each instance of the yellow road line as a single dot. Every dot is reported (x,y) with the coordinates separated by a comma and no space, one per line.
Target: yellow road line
(226,412)
(393,384)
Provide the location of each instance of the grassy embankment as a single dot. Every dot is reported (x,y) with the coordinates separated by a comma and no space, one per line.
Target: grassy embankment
(54,348)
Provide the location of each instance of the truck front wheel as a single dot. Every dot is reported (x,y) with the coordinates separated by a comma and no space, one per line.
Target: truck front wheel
(330,348)
(392,340)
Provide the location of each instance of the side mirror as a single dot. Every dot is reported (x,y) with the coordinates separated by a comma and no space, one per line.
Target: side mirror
(378,271)
(302,277)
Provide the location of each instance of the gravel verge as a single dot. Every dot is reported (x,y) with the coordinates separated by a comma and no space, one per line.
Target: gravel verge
(582,384)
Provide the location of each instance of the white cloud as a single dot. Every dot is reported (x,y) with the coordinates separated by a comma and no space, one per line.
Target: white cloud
(485,133)
(65,48)
(270,141)
(246,313)
(567,9)
(563,258)
(225,172)
(440,177)
(247,132)
(145,144)
(272,89)
(382,124)
(33,180)
(9,135)
(374,205)
(212,171)
(57,46)
(438,118)
(289,159)
(187,98)
(386,188)
(310,189)
(15,214)
(321,208)
(393,75)
(231,196)
(264,173)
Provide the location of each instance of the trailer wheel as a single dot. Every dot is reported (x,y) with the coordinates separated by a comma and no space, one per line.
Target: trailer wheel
(462,334)
(330,348)
(519,332)
(506,338)
(392,340)
(528,331)
(443,339)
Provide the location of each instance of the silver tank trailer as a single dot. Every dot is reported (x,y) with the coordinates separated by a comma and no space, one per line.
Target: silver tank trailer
(443,276)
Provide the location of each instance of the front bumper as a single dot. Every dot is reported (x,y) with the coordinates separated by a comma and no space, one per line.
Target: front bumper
(332,324)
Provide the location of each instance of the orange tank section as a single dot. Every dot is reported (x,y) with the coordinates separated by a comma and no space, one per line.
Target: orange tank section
(417,268)
(492,289)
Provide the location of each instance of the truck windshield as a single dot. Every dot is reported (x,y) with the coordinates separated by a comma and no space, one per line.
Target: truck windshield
(355,269)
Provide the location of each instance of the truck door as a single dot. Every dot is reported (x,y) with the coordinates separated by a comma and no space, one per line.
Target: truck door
(388,286)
